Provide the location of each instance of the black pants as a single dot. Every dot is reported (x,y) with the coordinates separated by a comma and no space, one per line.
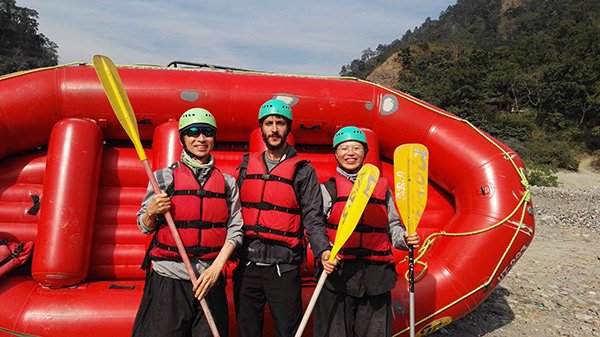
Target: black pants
(169,308)
(339,315)
(254,286)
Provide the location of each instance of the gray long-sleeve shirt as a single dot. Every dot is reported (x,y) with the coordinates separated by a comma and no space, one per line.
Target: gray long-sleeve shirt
(176,269)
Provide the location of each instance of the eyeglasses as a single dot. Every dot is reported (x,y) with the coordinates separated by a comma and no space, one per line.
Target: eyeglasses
(346,148)
(195,131)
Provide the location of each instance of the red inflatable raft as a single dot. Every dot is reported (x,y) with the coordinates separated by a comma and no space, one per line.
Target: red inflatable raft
(71,182)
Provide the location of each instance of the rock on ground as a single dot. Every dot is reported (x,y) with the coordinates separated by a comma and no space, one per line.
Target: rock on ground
(554,289)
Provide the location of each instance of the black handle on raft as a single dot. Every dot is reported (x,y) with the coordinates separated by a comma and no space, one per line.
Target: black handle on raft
(310,127)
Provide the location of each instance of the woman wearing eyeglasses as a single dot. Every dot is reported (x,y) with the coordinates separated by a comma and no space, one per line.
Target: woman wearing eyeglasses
(356,298)
(205,206)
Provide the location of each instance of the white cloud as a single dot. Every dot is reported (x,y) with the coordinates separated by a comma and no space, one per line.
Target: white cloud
(310,37)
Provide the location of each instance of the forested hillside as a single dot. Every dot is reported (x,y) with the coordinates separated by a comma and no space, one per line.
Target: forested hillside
(526,71)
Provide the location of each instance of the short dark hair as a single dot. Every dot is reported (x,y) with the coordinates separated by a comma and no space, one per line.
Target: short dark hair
(288,121)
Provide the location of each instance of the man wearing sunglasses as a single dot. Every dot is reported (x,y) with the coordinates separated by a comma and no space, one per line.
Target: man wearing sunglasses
(281,199)
(205,206)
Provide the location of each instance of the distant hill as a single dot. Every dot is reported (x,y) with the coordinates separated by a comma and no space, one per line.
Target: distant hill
(527,71)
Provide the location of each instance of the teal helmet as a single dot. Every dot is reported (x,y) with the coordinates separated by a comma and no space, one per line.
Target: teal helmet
(196,116)
(349,133)
(275,107)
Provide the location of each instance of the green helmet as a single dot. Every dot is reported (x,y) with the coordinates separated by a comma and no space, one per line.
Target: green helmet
(349,133)
(275,107)
(196,116)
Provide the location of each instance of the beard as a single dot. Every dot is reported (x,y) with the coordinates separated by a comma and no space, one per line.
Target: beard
(271,147)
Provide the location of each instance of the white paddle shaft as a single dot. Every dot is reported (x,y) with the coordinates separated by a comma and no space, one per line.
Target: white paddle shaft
(311,304)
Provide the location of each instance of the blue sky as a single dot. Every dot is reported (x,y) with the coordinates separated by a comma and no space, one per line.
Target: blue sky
(301,37)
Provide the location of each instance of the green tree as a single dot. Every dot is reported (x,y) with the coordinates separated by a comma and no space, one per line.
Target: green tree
(21,45)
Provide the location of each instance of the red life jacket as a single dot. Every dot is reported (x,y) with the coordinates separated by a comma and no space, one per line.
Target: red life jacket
(269,205)
(200,214)
(371,239)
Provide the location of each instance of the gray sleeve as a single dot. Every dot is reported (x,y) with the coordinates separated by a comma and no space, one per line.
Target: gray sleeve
(235,222)
(327,201)
(164,178)
(395,225)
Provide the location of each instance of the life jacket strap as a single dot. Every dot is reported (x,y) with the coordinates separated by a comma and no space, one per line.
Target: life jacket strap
(199,224)
(195,250)
(262,229)
(269,177)
(371,200)
(201,193)
(13,254)
(265,206)
(362,228)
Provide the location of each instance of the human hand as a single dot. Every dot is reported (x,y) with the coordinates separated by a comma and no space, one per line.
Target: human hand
(206,281)
(159,204)
(412,240)
(329,266)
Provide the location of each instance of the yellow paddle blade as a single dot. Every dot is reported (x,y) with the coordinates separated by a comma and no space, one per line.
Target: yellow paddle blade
(410,181)
(357,201)
(113,87)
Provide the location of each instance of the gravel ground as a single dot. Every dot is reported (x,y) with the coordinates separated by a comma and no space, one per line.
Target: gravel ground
(554,289)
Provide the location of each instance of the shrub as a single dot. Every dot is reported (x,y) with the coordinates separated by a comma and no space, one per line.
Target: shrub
(556,153)
(541,174)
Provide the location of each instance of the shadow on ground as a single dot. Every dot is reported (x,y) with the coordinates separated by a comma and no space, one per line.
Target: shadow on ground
(492,314)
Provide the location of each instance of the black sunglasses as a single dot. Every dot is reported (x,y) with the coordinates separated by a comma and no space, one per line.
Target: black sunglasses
(195,131)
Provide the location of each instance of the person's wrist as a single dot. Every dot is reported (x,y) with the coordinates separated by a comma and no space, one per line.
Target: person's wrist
(150,219)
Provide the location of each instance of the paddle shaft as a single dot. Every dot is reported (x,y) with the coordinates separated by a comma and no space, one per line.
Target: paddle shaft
(311,304)
(411,294)
(411,271)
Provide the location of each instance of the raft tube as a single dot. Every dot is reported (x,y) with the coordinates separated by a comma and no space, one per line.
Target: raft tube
(71,182)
